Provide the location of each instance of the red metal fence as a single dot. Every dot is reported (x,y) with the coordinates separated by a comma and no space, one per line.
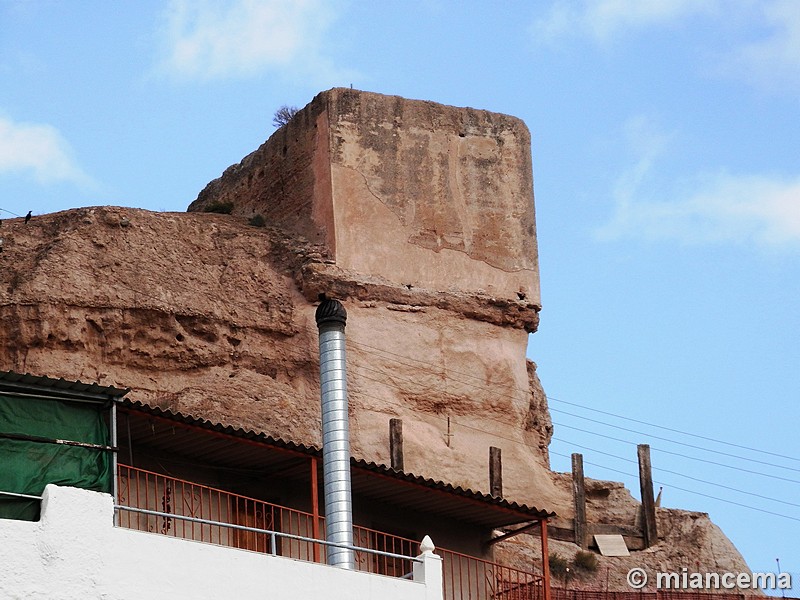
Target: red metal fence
(138,488)
(565,594)
(465,577)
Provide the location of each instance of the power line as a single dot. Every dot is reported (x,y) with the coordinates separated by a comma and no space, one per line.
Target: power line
(505,423)
(682,455)
(665,428)
(498,436)
(516,441)
(737,456)
(441,371)
(720,485)
(763,510)
(389,384)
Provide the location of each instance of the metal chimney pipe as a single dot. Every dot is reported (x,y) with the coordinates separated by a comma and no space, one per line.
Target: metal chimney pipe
(331,319)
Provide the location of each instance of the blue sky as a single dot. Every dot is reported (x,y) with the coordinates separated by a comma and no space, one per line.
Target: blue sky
(667,181)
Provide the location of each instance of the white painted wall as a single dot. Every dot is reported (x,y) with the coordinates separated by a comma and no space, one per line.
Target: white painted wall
(75,552)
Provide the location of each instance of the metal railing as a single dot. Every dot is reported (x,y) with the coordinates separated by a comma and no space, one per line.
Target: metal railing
(216,516)
(23,496)
(578,594)
(153,502)
(483,579)
(274,536)
(396,562)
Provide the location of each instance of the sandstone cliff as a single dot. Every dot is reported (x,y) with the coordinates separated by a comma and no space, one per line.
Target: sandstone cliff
(419,217)
(205,314)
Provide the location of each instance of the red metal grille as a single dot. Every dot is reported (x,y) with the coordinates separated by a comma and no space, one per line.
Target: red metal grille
(151,491)
(566,594)
(473,578)
(465,577)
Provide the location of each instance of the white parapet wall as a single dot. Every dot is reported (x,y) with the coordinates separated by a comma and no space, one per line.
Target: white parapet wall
(75,552)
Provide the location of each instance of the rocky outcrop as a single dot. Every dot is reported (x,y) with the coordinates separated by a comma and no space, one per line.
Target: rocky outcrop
(190,311)
(417,216)
(539,415)
(204,314)
(688,540)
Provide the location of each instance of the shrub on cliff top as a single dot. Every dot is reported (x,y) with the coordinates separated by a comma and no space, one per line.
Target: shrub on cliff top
(559,566)
(283,115)
(257,221)
(585,561)
(223,208)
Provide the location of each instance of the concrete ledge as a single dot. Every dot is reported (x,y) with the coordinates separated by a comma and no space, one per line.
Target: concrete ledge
(75,552)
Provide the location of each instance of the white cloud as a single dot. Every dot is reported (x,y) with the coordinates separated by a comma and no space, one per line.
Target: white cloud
(602,19)
(764,35)
(215,39)
(775,59)
(724,207)
(38,148)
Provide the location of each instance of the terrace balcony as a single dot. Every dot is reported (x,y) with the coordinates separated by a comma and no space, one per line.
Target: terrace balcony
(200,484)
(156,503)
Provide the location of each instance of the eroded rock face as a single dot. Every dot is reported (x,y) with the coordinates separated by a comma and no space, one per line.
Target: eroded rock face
(417,216)
(206,315)
(688,540)
(190,311)
(539,415)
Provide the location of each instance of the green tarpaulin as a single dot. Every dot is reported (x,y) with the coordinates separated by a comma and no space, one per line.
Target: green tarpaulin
(27,466)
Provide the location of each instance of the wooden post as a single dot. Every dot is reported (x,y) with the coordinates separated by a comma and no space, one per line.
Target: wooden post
(545,561)
(649,528)
(579,498)
(396,443)
(495,472)
(315,508)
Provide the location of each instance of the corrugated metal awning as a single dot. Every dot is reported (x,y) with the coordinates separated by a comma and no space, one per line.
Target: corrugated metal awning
(11,381)
(224,446)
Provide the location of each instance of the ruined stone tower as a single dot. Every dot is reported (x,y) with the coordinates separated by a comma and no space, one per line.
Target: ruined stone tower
(411,193)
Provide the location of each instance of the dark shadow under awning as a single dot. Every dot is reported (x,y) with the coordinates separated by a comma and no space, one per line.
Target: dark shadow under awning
(215,444)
